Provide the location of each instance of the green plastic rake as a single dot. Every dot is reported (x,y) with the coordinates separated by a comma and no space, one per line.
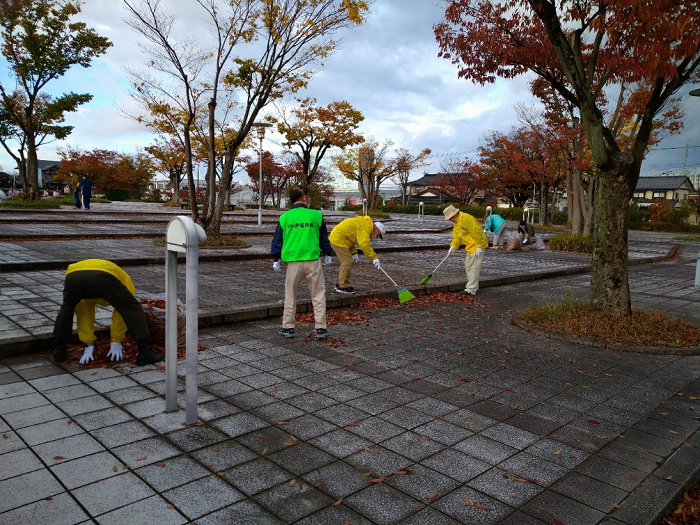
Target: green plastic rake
(404,294)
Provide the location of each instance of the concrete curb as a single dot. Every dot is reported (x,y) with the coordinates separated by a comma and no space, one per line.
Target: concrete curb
(22,346)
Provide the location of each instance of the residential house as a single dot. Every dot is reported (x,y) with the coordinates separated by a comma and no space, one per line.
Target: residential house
(673,188)
(424,190)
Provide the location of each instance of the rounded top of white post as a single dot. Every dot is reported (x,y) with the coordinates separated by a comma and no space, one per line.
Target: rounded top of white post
(183,233)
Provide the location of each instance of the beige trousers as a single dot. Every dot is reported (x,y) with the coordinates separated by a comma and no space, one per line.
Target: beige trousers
(472,264)
(345,260)
(312,271)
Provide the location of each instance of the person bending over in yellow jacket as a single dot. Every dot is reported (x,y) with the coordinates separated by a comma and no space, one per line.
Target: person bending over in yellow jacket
(97,281)
(467,231)
(345,237)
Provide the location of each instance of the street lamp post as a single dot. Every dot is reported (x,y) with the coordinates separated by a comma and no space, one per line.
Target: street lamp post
(696,93)
(260,130)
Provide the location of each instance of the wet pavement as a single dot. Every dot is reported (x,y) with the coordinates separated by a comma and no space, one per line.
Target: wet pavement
(437,411)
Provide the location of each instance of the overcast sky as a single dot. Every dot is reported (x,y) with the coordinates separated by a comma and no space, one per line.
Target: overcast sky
(388,69)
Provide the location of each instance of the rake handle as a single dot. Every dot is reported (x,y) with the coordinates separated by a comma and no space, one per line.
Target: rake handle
(438,266)
(383,270)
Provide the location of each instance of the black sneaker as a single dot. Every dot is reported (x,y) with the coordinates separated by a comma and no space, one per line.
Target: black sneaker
(321,333)
(347,289)
(151,358)
(286,332)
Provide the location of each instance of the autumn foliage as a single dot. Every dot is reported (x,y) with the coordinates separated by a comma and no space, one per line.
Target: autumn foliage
(618,63)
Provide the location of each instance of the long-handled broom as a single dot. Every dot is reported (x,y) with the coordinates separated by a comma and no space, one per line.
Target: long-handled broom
(404,294)
(427,277)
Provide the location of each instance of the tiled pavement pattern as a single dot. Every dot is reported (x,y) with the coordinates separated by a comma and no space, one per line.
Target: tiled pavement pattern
(415,414)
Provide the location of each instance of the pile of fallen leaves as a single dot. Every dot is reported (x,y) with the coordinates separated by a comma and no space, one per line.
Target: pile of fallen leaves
(687,511)
(154,310)
(355,317)
(129,353)
(639,329)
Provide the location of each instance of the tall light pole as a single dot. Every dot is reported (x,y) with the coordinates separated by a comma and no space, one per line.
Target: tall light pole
(696,93)
(260,130)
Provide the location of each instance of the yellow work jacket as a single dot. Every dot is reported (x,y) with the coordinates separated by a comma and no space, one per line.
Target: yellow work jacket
(354,231)
(468,231)
(86,321)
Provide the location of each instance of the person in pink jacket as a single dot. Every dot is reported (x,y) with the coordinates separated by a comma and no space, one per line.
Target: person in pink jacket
(468,232)
(345,237)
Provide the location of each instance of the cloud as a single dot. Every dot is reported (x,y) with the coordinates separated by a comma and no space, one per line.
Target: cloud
(388,69)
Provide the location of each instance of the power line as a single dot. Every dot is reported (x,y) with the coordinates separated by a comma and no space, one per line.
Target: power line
(680,147)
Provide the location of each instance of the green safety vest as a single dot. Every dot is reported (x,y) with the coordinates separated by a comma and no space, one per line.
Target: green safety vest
(300,234)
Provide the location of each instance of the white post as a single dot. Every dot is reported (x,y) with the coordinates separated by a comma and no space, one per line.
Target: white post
(421,211)
(364,206)
(182,236)
(260,181)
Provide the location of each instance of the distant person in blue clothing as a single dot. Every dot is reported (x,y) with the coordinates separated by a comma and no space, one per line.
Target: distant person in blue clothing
(497,225)
(85,189)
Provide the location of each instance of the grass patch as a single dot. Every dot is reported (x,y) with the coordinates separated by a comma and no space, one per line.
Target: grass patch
(687,238)
(44,204)
(223,241)
(220,241)
(577,319)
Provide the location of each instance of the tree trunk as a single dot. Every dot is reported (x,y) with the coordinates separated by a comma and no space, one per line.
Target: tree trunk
(543,204)
(174,178)
(575,201)
(609,272)
(589,200)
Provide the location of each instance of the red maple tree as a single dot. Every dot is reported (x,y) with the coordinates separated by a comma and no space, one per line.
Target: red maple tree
(584,50)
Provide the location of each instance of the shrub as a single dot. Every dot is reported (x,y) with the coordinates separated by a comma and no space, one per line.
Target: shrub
(19,202)
(567,242)
(560,217)
(118,194)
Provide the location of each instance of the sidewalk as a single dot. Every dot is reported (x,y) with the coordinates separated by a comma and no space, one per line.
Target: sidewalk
(431,412)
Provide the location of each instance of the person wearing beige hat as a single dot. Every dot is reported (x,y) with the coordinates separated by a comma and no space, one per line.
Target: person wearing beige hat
(467,231)
(345,237)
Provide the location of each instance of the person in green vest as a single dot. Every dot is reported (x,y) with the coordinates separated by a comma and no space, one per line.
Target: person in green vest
(300,238)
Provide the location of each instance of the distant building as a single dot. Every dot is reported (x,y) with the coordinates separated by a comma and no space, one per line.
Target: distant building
(46,170)
(673,188)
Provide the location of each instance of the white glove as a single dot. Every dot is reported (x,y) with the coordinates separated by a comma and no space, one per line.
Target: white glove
(115,352)
(328,260)
(525,241)
(450,251)
(277,266)
(355,257)
(479,252)
(376,264)
(87,355)
(485,231)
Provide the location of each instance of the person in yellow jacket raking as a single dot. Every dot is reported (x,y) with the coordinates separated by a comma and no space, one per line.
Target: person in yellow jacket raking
(468,232)
(345,237)
(97,281)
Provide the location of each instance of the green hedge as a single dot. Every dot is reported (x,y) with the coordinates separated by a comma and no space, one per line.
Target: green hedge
(118,194)
(566,242)
(511,214)
(664,227)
